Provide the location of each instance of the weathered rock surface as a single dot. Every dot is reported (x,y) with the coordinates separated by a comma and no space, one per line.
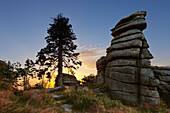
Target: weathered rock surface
(134,21)
(69,79)
(126,53)
(124,87)
(144,63)
(127,44)
(67,108)
(150,100)
(145,91)
(100,64)
(146,54)
(124,69)
(127,33)
(127,37)
(122,62)
(128,78)
(124,97)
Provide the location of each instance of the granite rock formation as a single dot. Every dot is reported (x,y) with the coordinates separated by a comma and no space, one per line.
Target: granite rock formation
(163,74)
(100,64)
(128,71)
(69,79)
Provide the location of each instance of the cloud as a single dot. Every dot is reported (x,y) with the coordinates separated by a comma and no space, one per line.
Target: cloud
(92,53)
(90,56)
(83,71)
(81,47)
(91,64)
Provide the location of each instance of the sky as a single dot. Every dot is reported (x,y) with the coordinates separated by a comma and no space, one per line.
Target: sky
(24,24)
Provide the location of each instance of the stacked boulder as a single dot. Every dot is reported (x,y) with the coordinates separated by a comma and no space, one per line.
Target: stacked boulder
(128,71)
(163,74)
(100,64)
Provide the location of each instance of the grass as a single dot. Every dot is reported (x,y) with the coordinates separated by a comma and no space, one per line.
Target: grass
(5,85)
(31,101)
(162,108)
(90,101)
(40,101)
(24,102)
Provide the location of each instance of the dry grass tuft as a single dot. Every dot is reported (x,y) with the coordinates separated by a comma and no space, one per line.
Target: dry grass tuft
(5,101)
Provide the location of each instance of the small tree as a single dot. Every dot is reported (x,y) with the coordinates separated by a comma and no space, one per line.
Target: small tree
(11,74)
(60,48)
(3,68)
(29,69)
(89,79)
(26,72)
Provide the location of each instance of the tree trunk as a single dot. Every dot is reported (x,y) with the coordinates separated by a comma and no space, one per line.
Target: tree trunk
(24,83)
(59,81)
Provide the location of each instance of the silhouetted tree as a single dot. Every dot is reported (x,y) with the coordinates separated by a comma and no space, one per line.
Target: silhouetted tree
(3,67)
(60,48)
(26,72)
(29,72)
(89,79)
(11,73)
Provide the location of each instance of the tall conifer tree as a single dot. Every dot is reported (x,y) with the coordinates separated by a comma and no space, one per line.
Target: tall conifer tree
(60,48)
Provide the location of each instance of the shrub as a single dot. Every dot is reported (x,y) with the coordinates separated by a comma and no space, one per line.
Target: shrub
(5,101)
(82,101)
(3,67)
(5,85)
(41,98)
(162,108)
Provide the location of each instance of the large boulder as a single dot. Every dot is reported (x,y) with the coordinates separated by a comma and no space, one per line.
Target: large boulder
(100,64)
(127,67)
(163,74)
(69,79)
